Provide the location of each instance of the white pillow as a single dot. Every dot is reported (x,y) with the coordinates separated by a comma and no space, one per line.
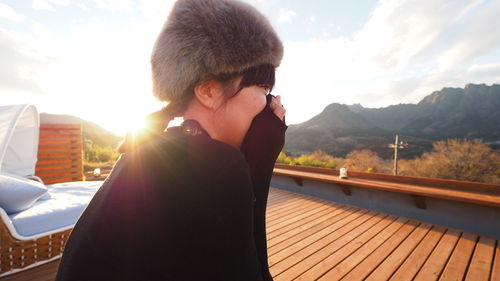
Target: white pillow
(17,194)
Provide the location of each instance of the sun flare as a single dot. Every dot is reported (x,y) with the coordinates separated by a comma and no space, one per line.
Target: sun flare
(137,125)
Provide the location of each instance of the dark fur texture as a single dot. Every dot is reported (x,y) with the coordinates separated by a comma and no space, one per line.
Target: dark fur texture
(208,37)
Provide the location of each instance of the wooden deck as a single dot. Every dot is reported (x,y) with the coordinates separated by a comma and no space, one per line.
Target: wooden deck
(314,239)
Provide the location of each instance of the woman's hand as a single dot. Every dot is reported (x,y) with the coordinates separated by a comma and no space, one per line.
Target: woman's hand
(277,107)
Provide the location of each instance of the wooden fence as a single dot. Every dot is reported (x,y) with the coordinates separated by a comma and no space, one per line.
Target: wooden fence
(60,153)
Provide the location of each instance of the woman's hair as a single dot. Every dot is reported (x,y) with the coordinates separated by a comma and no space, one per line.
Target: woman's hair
(157,121)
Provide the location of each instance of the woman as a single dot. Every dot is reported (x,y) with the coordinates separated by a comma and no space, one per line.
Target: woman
(189,202)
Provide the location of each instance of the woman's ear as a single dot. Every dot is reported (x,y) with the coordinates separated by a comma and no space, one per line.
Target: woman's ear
(209,93)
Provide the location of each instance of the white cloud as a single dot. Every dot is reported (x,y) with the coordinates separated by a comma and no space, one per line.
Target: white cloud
(42,5)
(48,5)
(485,69)
(155,12)
(115,5)
(334,26)
(477,36)
(6,12)
(286,16)
(82,6)
(9,14)
(22,65)
(399,31)
(404,51)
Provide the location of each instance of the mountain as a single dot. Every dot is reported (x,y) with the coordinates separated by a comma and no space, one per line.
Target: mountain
(91,131)
(332,130)
(470,112)
(392,117)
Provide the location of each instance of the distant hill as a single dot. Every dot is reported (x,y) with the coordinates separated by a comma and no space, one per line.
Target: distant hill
(91,131)
(471,112)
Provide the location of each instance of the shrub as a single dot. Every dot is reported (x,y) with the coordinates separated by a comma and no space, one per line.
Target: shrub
(316,159)
(96,153)
(366,161)
(458,160)
(284,159)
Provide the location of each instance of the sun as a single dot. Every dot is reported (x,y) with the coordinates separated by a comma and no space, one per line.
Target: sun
(125,123)
(134,121)
(136,125)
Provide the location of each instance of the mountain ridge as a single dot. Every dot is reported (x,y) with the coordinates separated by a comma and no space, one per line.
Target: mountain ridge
(469,112)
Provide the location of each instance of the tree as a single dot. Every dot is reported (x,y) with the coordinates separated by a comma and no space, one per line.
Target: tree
(366,161)
(458,160)
(284,159)
(96,153)
(317,158)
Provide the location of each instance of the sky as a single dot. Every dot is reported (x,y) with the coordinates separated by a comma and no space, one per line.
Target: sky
(91,58)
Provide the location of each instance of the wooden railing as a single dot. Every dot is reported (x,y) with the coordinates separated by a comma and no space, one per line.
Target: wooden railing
(60,153)
(420,188)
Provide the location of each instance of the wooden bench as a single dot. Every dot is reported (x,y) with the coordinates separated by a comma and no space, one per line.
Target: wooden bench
(419,188)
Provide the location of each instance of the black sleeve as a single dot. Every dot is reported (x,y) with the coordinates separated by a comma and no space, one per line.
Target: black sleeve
(261,147)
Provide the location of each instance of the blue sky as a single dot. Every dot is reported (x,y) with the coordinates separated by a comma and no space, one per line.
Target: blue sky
(91,58)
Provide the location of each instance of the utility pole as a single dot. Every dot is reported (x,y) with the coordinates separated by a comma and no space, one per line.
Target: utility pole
(396,156)
(397,144)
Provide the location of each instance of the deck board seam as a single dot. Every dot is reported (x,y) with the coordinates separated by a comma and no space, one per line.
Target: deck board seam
(496,263)
(449,256)
(316,223)
(430,253)
(394,249)
(283,216)
(329,226)
(490,276)
(343,235)
(325,210)
(470,258)
(409,253)
(367,256)
(331,223)
(337,208)
(384,216)
(394,218)
(325,206)
(290,205)
(387,239)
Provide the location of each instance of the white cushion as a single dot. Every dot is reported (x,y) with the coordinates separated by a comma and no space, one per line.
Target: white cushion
(68,201)
(17,194)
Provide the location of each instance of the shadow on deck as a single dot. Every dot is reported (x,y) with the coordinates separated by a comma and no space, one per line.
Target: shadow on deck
(310,238)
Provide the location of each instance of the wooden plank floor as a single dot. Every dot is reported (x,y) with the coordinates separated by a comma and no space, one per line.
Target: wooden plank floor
(44,272)
(314,239)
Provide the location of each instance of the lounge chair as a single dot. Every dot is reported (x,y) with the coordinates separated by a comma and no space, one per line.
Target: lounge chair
(51,153)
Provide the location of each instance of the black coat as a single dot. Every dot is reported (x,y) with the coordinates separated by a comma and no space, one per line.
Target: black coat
(180,207)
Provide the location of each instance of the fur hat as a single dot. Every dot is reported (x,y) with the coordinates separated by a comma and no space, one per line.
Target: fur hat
(203,38)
